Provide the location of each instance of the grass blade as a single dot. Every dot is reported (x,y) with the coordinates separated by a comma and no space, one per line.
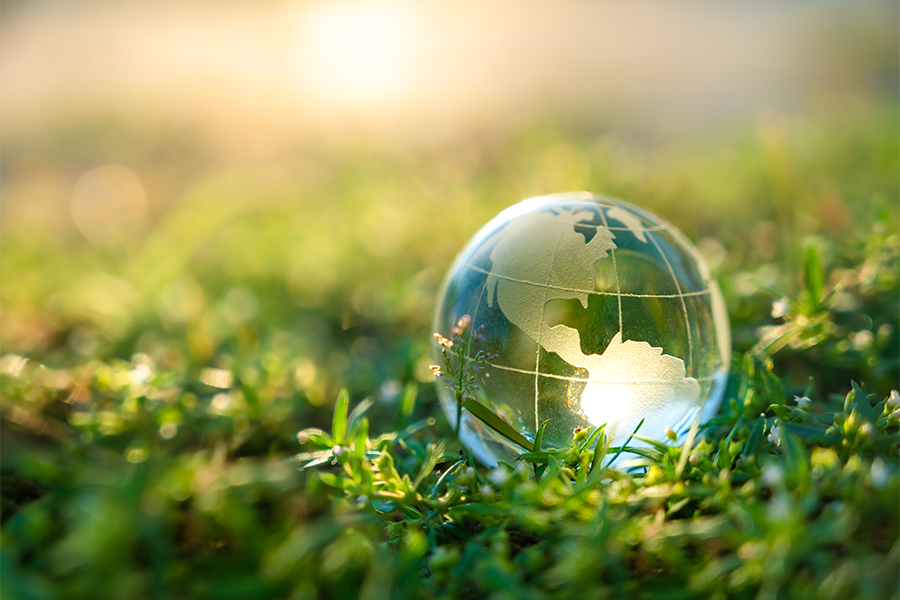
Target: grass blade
(814,277)
(339,421)
(408,404)
(489,418)
(622,447)
(538,438)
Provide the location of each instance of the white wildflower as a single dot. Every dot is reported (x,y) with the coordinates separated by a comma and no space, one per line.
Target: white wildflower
(498,476)
(775,435)
(780,308)
(772,474)
(801,401)
(879,474)
(894,400)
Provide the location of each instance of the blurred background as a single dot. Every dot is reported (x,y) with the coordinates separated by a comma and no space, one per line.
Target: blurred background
(199,181)
(214,215)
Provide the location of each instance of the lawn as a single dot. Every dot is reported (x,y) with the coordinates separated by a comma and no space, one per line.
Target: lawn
(153,389)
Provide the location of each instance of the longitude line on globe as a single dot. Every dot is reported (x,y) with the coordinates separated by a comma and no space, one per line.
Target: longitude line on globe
(615,268)
(595,292)
(687,323)
(537,360)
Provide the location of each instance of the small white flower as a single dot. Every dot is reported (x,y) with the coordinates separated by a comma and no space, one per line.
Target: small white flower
(772,474)
(470,472)
(779,508)
(141,374)
(498,476)
(337,450)
(801,401)
(894,400)
(775,435)
(362,499)
(861,339)
(867,429)
(487,490)
(780,308)
(879,475)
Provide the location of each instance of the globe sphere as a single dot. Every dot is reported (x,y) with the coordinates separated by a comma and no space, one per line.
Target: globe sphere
(591,311)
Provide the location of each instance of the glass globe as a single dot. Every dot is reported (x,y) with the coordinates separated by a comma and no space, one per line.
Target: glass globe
(592,311)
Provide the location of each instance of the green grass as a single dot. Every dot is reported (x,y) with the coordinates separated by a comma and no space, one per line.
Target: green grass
(152,392)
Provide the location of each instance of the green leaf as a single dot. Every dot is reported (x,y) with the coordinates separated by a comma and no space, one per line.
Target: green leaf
(751,447)
(492,420)
(332,480)
(540,436)
(316,437)
(453,468)
(862,403)
(622,447)
(360,445)
(435,454)
(339,421)
(814,276)
(601,448)
(536,457)
(796,456)
(315,458)
(813,435)
(659,446)
(358,411)
(476,508)
(408,402)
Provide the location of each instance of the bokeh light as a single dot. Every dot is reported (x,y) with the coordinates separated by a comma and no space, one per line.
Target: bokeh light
(108,204)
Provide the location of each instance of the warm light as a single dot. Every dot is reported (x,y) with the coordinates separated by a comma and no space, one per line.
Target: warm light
(108,204)
(356,53)
(606,403)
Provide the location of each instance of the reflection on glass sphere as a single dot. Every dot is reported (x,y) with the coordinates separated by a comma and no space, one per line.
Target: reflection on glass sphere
(597,311)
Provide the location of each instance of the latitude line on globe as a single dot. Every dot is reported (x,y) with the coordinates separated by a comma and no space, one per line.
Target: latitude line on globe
(687,323)
(537,354)
(595,292)
(615,268)
(597,225)
(565,378)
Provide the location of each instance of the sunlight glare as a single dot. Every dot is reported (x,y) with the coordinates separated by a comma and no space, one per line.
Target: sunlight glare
(356,53)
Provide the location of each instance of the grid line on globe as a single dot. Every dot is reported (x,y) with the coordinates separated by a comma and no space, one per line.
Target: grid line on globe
(610,361)
(594,292)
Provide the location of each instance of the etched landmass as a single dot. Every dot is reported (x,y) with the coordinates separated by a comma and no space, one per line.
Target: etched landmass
(541,259)
(628,220)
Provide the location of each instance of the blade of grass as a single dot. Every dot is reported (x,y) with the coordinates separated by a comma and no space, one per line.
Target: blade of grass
(688,445)
(489,418)
(408,403)
(622,447)
(358,411)
(814,277)
(538,438)
(339,420)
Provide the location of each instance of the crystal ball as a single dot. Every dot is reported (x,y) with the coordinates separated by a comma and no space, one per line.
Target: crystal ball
(591,311)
